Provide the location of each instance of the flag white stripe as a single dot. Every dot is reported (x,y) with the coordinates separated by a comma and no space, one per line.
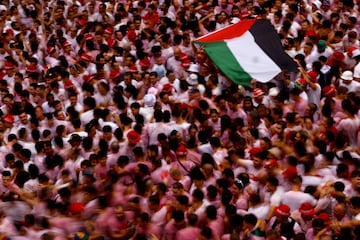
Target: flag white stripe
(252,58)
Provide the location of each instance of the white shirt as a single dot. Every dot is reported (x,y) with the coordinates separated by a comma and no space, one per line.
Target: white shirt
(294,199)
(354,86)
(314,95)
(275,198)
(350,128)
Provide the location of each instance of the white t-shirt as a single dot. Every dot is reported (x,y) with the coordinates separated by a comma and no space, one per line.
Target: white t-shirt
(350,128)
(294,199)
(314,95)
(354,86)
(275,198)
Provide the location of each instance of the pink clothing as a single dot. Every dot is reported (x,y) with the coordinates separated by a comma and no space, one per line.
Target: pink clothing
(350,128)
(151,229)
(300,106)
(170,230)
(217,227)
(188,233)
(101,172)
(184,166)
(67,224)
(160,174)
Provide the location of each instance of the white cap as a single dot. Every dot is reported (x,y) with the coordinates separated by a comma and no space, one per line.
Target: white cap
(192,79)
(149,100)
(317,3)
(193,68)
(347,75)
(355,53)
(273,92)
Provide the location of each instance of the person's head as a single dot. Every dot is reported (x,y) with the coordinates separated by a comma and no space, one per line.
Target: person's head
(318,224)
(282,213)
(198,195)
(24,118)
(6,178)
(307,211)
(249,222)
(355,179)
(182,203)
(355,205)
(339,211)
(206,234)
(179,219)
(296,181)
(154,203)
(119,212)
(177,189)
(211,212)
(271,184)
(192,219)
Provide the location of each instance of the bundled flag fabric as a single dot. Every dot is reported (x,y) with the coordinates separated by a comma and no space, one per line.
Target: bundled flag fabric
(247,50)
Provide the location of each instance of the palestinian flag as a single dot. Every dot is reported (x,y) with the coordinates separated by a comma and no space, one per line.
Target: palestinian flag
(247,50)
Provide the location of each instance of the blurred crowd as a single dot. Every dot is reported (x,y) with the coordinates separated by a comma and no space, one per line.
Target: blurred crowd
(114,124)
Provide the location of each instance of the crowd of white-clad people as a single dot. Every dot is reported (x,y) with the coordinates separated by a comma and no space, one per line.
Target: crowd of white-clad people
(115,125)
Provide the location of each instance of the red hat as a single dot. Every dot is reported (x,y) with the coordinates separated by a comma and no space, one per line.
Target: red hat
(310,33)
(76,208)
(133,69)
(167,88)
(133,137)
(111,42)
(324,216)
(184,106)
(31,68)
(66,44)
(307,209)
(68,84)
(350,51)
(301,82)
(182,57)
(145,62)
(9,118)
(10,31)
(8,66)
(181,151)
(114,74)
(290,172)
(82,21)
(312,75)
(186,63)
(51,49)
(89,37)
(108,30)
(85,57)
(336,59)
(254,151)
(131,35)
(328,91)
(272,163)
(258,92)
(283,210)
(244,14)
(88,78)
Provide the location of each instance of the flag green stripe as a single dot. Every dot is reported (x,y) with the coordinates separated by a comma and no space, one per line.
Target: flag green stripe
(226,62)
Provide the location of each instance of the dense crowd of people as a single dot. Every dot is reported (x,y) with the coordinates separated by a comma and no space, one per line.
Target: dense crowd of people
(116,125)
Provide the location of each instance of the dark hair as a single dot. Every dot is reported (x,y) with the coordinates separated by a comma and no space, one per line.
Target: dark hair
(211,212)
(250,219)
(198,194)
